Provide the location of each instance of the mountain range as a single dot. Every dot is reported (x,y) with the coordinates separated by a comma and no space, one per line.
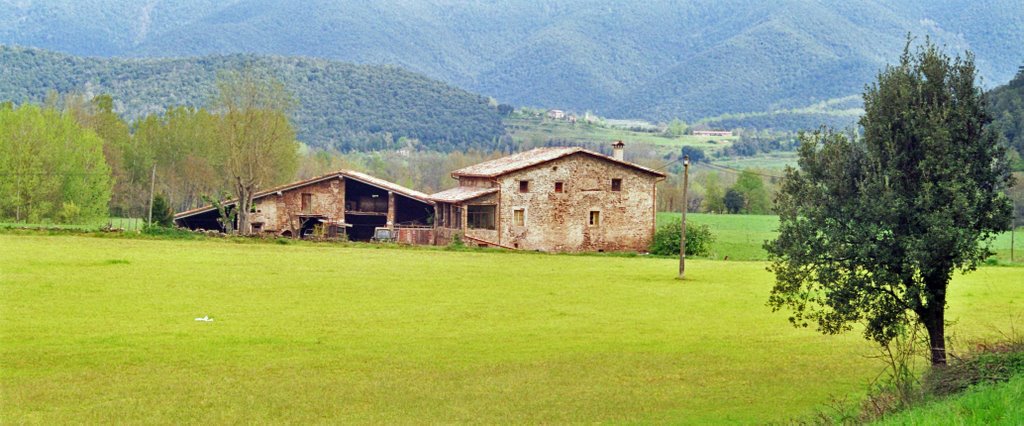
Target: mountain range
(656,59)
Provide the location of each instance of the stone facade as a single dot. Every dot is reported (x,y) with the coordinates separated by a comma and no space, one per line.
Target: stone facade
(345,203)
(283,211)
(580,201)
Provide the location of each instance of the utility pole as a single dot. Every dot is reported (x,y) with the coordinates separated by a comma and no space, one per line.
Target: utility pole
(682,237)
(152,188)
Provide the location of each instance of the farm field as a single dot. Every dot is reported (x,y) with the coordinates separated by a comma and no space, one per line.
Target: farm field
(532,130)
(101,330)
(741,236)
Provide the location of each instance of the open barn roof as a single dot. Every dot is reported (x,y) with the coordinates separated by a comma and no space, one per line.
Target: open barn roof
(349,174)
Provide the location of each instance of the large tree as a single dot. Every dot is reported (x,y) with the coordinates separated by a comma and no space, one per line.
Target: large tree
(873,227)
(259,140)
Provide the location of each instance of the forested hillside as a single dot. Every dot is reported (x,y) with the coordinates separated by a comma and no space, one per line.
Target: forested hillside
(656,60)
(1008,111)
(339,105)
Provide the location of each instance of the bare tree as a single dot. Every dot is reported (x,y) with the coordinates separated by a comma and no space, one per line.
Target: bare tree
(255,131)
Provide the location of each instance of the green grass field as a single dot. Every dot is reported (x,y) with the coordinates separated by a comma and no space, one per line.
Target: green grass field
(102,330)
(537,130)
(741,236)
(990,404)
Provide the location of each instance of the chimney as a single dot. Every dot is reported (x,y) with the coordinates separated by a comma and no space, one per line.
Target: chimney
(617,149)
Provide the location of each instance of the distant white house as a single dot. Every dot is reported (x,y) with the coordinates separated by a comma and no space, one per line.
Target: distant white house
(556,114)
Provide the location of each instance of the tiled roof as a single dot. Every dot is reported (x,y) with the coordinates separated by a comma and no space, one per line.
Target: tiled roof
(533,157)
(461,193)
(362,177)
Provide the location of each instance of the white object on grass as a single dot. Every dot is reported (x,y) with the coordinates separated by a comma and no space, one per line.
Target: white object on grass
(205,318)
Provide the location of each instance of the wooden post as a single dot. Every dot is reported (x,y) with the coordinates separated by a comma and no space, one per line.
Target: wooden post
(682,237)
(152,188)
(391,210)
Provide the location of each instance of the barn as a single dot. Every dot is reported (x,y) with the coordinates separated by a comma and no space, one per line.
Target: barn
(345,202)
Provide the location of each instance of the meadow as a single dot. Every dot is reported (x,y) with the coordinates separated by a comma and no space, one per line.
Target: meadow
(740,237)
(535,130)
(103,330)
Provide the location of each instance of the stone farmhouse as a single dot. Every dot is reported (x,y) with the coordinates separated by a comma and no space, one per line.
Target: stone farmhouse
(547,199)
(552,199)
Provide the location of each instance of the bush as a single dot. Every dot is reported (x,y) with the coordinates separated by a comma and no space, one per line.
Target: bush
(698,239)
(990,364)
(162,213)
(456,242)
(170,233)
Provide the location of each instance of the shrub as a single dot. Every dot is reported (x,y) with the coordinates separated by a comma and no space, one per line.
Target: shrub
(456,242)
(170,233)
(162,213)
(698,239)
(990,364)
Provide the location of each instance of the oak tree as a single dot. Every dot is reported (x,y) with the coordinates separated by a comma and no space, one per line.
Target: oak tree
(873,227)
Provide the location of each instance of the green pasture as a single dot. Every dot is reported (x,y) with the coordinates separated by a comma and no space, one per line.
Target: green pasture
(537,130)
(774,161)
(103,330)
(740,237)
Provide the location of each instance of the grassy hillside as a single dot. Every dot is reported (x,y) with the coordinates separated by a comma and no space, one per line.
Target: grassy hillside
(340,105)
(1007,107)
(101,330)
(655,60)
(990,404)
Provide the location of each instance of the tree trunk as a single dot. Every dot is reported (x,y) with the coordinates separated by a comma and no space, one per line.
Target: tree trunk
(935,322)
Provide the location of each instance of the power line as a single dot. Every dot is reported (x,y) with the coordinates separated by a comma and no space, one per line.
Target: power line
(720,168)
(738,171)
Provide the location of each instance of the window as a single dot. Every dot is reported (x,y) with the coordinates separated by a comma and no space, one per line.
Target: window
(524,186)
(559,187)
(519,217)
(595,218)
(480,217)
(307,202)
(616,184)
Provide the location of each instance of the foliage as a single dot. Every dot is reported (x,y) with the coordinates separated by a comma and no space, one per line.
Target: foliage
(696,154)
(50,168)
(1007,104)
(754,193)
(162,213)
(676,127)
(873,227)
(714,198)
(734,201)
(990,363)
(666,240)
(342,106)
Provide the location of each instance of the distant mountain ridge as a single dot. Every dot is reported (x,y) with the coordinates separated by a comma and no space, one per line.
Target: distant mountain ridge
(658,59)
(340,105)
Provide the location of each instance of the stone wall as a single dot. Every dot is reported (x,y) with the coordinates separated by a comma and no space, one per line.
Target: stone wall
(560,221)
(280,213)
